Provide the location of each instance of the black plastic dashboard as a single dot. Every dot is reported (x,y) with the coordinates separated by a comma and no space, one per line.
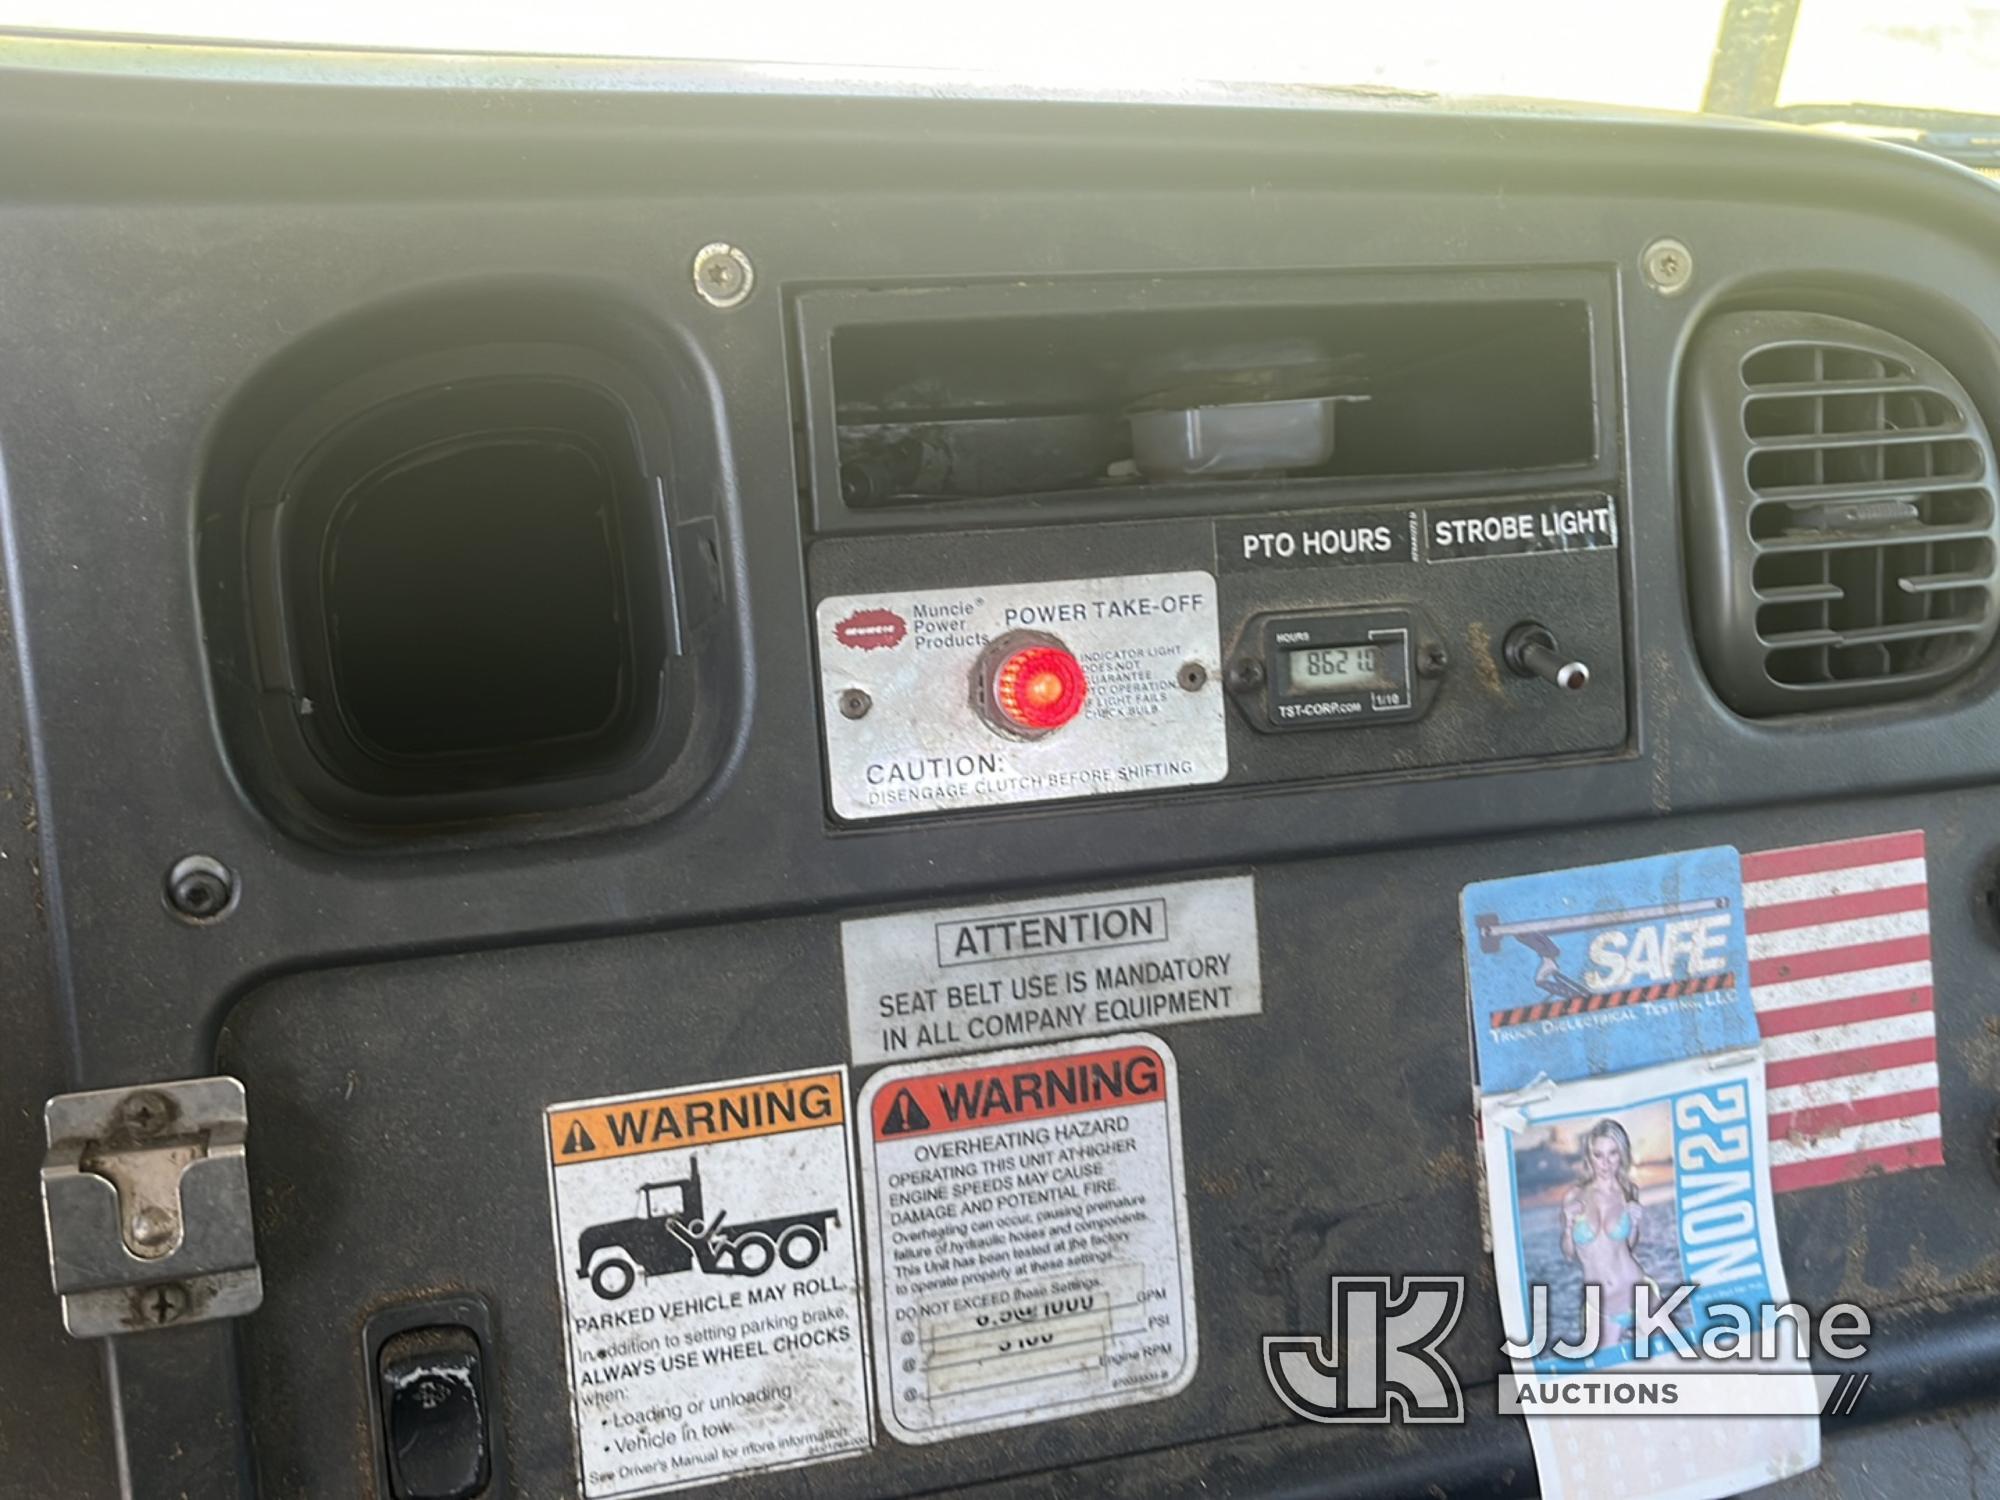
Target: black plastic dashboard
(190,263)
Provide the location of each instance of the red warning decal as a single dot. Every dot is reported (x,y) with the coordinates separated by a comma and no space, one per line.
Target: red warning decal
(871,629)
(1036,1088)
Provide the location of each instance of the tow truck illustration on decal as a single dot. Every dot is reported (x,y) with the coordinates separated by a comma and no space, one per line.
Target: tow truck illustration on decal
(670,1236)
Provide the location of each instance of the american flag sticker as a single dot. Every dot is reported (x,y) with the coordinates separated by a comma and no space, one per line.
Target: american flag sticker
(1840,973)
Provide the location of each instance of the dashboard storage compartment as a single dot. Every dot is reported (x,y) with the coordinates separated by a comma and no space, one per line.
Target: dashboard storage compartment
(1033,391)
(459,592)
(460,564)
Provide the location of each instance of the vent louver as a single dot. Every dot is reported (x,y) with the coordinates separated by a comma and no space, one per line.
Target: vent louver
(1841,514)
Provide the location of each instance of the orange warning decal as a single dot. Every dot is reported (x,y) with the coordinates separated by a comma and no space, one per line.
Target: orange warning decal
(1035,1088)
(695,1117)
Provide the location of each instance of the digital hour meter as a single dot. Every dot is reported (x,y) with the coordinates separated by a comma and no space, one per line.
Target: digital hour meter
(1333,669)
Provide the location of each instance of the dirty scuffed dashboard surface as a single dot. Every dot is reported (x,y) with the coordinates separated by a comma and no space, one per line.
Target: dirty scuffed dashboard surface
(641,598)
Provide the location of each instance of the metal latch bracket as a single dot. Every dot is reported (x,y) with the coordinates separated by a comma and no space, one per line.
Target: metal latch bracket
(146,1195)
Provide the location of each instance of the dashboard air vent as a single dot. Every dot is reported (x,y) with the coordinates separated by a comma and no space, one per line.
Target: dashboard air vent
(1841,514)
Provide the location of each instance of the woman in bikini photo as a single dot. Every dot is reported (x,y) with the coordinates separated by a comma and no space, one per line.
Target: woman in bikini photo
(1603,1226)
(1594,1203)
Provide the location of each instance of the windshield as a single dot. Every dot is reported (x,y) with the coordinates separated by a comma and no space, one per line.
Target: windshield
(1930,54)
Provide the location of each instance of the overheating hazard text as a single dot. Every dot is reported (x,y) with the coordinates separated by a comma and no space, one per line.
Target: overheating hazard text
(1028,1236)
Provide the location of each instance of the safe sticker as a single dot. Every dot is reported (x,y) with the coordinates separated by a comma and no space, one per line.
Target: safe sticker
(956,979)
(1579,973)
(706,1245)
(1027,1235)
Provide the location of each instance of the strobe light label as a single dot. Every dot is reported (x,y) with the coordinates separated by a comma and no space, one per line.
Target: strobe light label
(707,1254)
(1028,1237)
(900,694)
(1511,528)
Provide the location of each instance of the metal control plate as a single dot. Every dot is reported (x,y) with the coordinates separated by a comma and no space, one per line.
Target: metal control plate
(898,694)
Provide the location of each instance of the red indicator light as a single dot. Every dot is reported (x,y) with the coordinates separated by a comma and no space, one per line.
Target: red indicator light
(1040,688)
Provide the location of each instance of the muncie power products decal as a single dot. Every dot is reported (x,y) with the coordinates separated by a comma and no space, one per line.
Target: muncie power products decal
(939,699)
(924,983)
(706,1250)
(1027,1235)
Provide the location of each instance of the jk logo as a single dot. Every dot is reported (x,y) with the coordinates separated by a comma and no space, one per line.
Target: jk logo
(1379,1362)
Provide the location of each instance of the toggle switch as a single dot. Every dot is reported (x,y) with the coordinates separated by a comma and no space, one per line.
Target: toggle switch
(433,1395)
(1530,650)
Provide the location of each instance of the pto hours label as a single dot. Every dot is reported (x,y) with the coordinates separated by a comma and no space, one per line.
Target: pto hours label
(899,694)
(1027,1236)
(706,1245)
(924,983)
(1316,541)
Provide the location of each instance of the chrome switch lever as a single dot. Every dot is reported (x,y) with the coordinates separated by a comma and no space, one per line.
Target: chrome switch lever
(1530,651)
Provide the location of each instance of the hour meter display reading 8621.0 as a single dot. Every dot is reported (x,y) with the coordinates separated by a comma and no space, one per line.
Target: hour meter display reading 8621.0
(1333,669)
(1322,669)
